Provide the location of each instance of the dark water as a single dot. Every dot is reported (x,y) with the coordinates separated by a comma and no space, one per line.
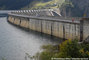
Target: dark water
(15,42)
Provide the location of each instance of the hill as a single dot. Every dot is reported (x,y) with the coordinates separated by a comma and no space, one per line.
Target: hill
(68,8)
(13,4)
(45,4)
(75,8)
(18,4)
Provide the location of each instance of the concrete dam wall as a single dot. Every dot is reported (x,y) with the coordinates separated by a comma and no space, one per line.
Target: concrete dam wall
(66,29)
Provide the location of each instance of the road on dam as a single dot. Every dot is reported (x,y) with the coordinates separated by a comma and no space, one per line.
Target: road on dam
(16,42)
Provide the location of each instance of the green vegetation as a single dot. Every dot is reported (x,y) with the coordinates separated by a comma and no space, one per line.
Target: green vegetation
(67,49)
(49,4)
(3,59)
(70,9)
(45,5)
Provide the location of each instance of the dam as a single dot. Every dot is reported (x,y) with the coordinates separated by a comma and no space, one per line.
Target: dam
(49,21)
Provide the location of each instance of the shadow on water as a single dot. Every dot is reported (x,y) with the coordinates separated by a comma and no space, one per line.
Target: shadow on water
(38,34)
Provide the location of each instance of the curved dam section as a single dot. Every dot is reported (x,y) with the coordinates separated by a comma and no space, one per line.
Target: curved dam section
(65,29)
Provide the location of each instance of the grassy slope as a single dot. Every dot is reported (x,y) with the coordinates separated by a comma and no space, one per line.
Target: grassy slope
(49,4)
(44,5)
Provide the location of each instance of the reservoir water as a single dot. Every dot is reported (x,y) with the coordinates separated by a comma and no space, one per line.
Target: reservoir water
(16,42)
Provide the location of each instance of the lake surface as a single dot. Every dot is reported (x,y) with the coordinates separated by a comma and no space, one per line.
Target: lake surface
(16,42)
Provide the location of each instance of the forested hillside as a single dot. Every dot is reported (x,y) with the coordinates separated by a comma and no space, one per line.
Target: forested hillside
(45,4)
(76,8)
(13,4)
(18,4)
(69,8)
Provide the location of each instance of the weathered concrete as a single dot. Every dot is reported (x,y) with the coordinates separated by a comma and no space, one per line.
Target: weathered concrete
(44,21)
(60,28)
(85,28)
